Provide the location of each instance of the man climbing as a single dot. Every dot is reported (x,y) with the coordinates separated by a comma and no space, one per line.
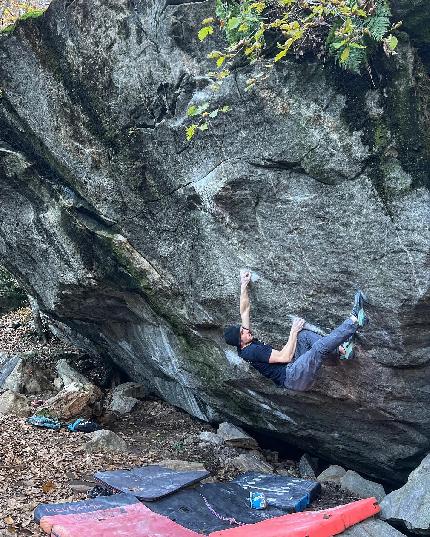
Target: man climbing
(296,365)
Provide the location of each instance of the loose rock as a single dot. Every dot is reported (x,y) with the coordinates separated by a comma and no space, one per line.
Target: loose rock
(307,467)
(410,505)
(250,463)
(69,375)
(235,436)
(74,400)
(372,528)
(131,389)
(105,440)
(14,403)
(332,474)
(363,488)
(211,438)
(122,404)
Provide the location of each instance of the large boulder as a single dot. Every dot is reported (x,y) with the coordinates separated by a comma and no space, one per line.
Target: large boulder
(73,401)
(131,238)
(410,505)
(363,488)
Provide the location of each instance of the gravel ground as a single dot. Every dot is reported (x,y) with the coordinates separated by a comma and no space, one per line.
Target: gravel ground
(43,466)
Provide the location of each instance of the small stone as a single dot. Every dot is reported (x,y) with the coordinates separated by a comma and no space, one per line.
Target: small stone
(250,463)
(235,436)
(122,404)
(58,383)
(211,438)
(332,474)
(131,389)
(105,440)
(363,488)
(307,466)
(14,404)
(69,375)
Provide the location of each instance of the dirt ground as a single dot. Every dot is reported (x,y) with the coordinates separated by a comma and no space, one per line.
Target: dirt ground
(44,466)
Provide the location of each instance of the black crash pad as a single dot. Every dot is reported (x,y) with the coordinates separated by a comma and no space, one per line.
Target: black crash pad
(84,506)
(291,494)
(229,500)
(149,483)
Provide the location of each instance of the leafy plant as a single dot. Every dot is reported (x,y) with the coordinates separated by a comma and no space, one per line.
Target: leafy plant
(266,31)
(12,11)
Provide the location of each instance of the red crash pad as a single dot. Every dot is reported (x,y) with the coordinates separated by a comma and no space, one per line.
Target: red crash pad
(136,520)
(308,524)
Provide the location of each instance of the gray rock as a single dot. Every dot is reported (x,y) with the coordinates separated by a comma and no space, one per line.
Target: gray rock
(73,401)
(132,238)
(235,436)
(332,474)
(131,389)
(410,505)
(58,383)
(105,440)
(247,462)
(122,404)
(8,367)
(211,438)
(27,376)
(363,488)
(307,467)
(372,528)
(69,375)
(14,404)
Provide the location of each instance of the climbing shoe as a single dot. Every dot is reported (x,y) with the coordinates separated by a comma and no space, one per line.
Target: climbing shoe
(348,347)
(358,309)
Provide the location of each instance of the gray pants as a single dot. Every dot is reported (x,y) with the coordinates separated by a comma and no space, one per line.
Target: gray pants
(310,351)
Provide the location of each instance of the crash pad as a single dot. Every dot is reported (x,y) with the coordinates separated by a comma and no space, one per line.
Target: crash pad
(194,508)
(133,519)
(47,514)
(291,494)
(149,483)
(324,523)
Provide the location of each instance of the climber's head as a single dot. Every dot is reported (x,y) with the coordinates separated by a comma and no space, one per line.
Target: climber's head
(237,335)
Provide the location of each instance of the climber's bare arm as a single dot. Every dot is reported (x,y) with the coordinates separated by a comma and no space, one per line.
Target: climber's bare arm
(286,354)
(245,306)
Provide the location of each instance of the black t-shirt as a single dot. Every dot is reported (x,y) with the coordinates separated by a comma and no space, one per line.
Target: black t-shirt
(258,354)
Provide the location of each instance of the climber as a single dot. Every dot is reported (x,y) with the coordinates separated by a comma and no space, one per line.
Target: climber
(296,365)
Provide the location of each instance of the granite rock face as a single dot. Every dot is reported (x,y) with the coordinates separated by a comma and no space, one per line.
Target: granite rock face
(132,238)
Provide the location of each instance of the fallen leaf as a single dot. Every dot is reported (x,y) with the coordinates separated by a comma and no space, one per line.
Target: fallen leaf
(48,487)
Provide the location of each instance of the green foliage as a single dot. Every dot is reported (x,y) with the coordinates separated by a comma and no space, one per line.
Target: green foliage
(202,115)
(13,11)
(267,31)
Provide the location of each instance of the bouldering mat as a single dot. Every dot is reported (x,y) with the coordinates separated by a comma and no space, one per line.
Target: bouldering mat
(128,520)
(149,483)
(46,514)
(324,523)
(291,494)
(211,507)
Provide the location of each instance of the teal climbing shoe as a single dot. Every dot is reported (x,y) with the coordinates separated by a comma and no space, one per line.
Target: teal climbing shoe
(358,308)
